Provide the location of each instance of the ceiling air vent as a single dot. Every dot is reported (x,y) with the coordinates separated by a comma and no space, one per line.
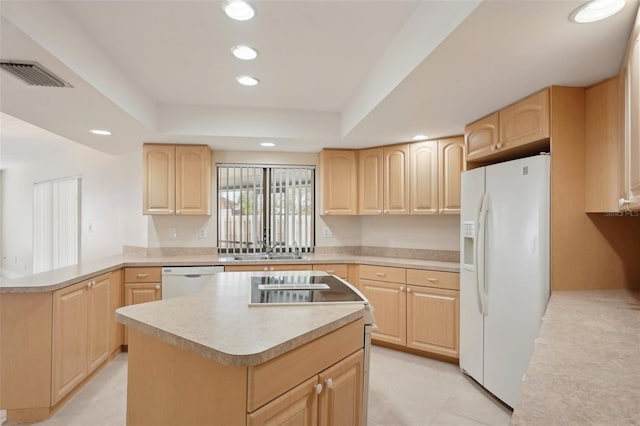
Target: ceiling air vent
(33,74)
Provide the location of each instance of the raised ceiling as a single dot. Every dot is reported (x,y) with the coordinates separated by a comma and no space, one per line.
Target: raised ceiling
(333,73)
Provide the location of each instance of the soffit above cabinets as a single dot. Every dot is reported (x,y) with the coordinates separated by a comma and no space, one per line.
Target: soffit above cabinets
(332,74)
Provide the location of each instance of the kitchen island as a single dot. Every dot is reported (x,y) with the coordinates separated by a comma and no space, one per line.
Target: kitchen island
(210,358)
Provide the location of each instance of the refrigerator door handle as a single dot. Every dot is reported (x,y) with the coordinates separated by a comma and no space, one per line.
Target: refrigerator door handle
(480,250)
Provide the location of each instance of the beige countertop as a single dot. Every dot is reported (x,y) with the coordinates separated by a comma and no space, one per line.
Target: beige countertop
(585,369)
(63,277)
(219,324)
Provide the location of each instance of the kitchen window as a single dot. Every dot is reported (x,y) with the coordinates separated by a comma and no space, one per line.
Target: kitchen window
(265,208)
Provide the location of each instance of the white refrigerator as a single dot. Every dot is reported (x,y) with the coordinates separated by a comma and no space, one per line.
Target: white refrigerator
(504,270)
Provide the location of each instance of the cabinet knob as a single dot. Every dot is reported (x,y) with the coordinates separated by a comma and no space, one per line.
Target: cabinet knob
(329,383)
(380,274)
(89,284)
(408,289)
(493,148)
(326,212)
(385,211)
(401,288)
(432,280)
(158,287)
(143,275)
(623,203)
(177,211)
(318,388)
(498,145)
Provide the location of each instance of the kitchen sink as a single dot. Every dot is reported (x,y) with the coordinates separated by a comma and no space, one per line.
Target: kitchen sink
(268,256)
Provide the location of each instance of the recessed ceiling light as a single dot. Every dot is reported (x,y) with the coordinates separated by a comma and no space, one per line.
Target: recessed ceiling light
(247,80)
(100,132)
(596,10)
(267,144)
(420,137)
(244,52)
(238,10)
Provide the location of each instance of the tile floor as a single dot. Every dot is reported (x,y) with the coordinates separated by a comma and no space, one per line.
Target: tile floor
(404,390)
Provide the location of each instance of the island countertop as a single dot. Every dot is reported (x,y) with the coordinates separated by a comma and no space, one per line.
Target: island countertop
(219,324)
(585,368)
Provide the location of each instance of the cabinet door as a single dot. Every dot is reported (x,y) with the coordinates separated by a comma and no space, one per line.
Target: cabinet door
(159,163)
(193,180)
(135,293)
(396,179)
(390,306)
(340,403)
(142,292)
(481,137)
(339,186)
(99,315)
(424,178)
(433,320)
(298,407)
(69,339)
(370,181)
(116,300)
(525,121)
(632,154)
(450,166)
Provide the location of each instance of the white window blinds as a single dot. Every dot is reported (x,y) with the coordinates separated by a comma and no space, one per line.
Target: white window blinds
(56,224)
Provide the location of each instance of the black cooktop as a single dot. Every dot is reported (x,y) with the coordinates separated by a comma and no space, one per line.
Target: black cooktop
(301,289)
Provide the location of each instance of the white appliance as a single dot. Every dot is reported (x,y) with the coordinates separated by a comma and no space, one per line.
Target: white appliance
(183,280)
(504,270)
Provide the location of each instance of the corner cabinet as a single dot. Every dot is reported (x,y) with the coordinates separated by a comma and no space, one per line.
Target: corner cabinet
(177,179)
(435,176)
(519,129)
(339,182)
(370,181)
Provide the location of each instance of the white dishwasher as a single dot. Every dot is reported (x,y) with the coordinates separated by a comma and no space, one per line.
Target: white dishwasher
(183,280)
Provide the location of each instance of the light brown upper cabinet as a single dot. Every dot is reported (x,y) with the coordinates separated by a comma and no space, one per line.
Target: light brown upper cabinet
(518,129)
(339,182)
(370,181)
(424,178)
(435,170)
(396,179)
(177,179)
(630,197)
(383,180)
(482,137)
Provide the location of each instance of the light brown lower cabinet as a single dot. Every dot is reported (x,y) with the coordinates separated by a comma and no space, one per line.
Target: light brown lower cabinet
(433,320)
(390,306)
(81,331)
(141,285)
(333,397)
(420,311)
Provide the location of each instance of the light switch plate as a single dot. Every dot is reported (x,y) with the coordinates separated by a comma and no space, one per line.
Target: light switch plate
(173,233)
(326,232)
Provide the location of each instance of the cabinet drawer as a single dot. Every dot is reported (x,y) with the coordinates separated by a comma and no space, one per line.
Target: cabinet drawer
(143,275)
(273,378)
(337,269)
(383,273)
(448,280)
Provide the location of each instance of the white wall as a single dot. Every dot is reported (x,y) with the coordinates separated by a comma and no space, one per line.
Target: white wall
(421,232)
(111,206)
